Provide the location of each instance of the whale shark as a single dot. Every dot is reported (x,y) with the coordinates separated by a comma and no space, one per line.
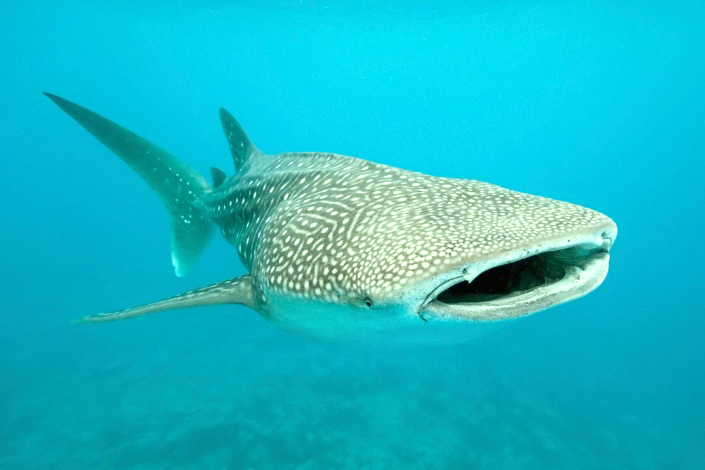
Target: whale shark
(342,248)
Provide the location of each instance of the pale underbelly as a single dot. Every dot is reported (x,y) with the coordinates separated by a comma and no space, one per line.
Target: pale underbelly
(384,327)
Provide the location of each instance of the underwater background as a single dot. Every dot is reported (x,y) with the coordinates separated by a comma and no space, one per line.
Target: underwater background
(600,103)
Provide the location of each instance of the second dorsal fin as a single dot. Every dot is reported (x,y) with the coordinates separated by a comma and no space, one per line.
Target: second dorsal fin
(218,176)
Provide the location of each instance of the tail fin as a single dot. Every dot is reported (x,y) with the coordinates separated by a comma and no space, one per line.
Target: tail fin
(176,184)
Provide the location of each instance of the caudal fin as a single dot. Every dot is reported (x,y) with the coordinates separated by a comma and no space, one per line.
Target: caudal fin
(176,184)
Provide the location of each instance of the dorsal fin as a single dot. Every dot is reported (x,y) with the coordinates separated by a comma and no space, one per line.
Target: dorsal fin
(241,147)
(218,176)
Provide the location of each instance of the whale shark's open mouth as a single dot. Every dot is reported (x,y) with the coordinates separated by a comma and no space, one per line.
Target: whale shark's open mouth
(521,286)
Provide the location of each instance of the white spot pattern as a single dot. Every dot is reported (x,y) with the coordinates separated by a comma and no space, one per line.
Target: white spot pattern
(337,228)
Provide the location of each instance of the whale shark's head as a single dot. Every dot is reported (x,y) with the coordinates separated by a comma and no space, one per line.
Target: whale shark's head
(429,249)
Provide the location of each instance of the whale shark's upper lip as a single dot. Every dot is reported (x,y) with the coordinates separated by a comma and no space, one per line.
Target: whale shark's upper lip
(521,283)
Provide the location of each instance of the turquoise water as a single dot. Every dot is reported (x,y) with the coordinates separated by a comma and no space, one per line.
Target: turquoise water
(597,103)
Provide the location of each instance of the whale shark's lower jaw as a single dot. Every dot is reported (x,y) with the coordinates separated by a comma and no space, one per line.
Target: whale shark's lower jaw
(521,284)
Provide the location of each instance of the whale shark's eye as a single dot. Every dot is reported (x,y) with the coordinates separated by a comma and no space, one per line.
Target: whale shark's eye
(368,302)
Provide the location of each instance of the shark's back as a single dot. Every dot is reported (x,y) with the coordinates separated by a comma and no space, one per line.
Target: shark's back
(269,186)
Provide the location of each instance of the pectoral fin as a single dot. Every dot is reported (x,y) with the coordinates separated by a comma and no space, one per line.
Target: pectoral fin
(233,291)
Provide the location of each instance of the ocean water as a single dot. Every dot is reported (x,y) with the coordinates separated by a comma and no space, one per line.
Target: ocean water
(600,103)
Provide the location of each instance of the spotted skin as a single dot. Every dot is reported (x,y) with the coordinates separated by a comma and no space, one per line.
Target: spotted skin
(337,246)
(341,229)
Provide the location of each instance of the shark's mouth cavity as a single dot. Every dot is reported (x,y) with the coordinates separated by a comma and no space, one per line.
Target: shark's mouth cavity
(522,286)
(510,279)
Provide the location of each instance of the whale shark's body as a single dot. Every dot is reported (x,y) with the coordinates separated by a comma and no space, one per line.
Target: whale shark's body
(343,248)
